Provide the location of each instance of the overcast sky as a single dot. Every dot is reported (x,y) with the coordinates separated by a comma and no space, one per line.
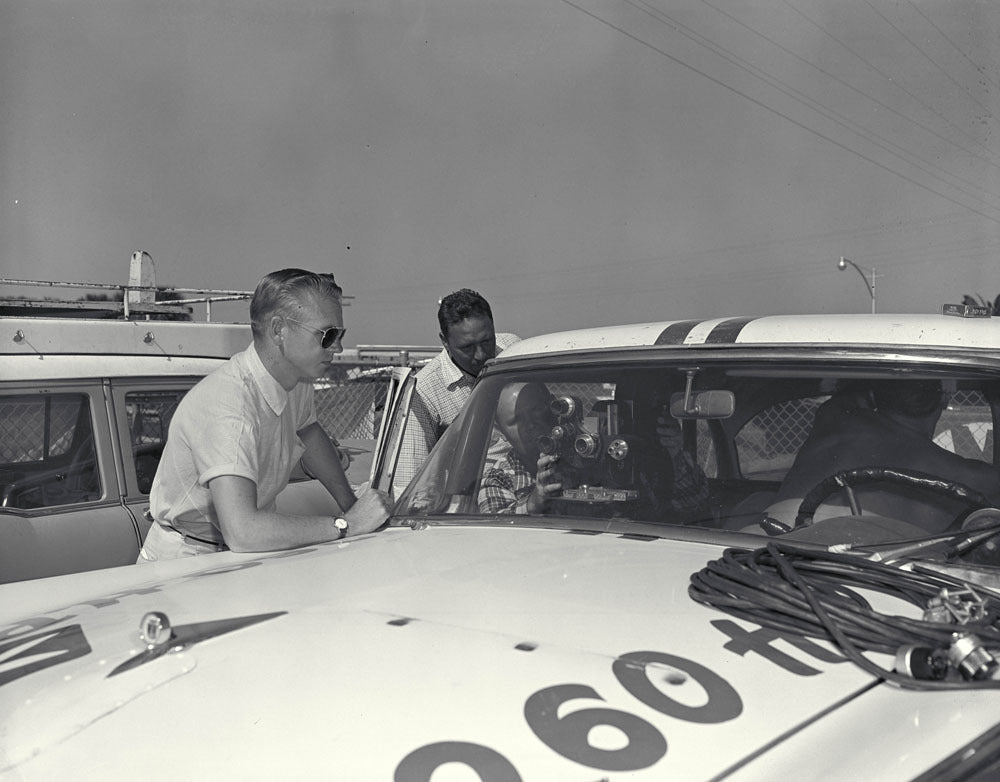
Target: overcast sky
(579,162)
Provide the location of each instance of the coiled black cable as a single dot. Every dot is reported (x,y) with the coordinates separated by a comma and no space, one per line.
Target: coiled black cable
(810,591)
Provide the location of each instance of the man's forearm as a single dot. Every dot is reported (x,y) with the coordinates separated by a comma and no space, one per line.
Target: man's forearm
(245,527)
(268,531)
(322,460)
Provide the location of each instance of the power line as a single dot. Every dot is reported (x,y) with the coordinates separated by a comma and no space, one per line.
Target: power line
(979,69)
(929,59)
(873,98)
(887,77)
(772,110)
(817,106)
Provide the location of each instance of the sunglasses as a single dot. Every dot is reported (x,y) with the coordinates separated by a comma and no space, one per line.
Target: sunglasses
(327,337)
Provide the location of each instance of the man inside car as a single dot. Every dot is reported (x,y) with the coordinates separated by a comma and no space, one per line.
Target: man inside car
(526,480)
(886,424)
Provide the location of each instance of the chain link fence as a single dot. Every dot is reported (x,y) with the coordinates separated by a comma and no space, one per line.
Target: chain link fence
(350,410)
(350,399)
(767,445)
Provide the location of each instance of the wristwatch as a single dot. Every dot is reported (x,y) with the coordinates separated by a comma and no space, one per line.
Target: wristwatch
(341,524)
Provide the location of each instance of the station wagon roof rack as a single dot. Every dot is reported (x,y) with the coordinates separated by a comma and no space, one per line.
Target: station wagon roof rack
(136,300)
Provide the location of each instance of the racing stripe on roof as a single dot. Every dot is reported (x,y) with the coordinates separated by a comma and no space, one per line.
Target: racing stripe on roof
(676,333)
(728,331)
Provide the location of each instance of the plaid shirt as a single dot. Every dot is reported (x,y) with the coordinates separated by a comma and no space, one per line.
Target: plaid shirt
(441,393)
(507,486)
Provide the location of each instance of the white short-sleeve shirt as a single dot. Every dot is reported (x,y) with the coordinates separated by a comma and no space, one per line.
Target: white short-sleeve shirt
(236,421)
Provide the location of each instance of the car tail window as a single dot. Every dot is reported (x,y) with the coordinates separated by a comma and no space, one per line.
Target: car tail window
(767,445)
(47,451)
(966,426)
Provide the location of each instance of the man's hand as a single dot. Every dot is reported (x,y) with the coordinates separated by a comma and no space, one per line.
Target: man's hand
(548,483)
(369,512)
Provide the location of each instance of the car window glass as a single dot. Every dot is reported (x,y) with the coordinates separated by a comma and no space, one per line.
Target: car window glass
(47,452)
(149,414)
(718,468)
(392,424)
(577,419)
(966,426)
(349,403)
(767,444)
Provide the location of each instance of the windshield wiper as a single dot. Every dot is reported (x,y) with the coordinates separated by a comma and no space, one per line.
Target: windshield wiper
(960,541)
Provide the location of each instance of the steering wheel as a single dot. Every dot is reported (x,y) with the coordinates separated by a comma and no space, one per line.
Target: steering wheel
(847,479)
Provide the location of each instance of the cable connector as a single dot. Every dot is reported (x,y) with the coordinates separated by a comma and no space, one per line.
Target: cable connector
(921,662)
(960,606)
(972,660)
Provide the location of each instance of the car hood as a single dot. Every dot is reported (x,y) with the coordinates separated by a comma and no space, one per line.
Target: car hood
(516,653)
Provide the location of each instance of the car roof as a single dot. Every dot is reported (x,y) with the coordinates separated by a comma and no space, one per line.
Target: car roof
(77,348)
(82,336)
(917,330)
(59,367)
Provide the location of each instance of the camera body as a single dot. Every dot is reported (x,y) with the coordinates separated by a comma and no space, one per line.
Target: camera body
(596,451)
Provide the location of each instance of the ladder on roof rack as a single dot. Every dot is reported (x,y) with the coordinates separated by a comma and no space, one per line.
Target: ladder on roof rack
(138,297)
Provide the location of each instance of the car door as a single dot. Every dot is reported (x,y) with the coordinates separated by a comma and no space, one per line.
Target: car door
(142,411)
(60,496)
(390,434)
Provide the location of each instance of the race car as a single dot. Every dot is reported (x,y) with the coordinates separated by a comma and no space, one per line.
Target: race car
(637,554)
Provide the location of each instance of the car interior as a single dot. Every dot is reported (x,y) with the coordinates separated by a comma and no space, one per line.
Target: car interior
(742,424)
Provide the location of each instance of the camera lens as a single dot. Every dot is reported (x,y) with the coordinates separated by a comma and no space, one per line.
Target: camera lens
(563,431)
(563,406)
(618,449)
(586,445)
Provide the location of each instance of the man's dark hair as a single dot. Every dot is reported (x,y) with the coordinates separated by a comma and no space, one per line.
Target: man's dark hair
(915,398)
(457,306)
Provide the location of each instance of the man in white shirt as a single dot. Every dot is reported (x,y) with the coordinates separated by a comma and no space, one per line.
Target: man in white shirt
(237,435)
(445,383)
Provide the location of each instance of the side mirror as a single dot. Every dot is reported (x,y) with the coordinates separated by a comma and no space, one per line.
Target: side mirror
(702,404)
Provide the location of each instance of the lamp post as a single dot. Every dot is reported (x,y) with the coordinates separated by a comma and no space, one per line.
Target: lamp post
(843,263)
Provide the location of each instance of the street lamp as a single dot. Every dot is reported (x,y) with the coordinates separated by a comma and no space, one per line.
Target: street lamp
(843,263)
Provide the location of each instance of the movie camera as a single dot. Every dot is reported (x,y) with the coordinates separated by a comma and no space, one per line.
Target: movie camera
(596,451)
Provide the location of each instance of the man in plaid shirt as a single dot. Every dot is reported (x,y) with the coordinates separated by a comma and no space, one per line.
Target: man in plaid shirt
(511,486)
(445,383)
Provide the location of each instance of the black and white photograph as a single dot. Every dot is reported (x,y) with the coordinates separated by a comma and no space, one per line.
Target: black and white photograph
(500,391)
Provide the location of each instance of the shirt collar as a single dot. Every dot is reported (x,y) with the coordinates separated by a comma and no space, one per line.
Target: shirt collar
(450,372)
(272,391)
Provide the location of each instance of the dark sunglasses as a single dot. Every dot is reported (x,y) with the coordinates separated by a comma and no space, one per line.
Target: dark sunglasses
(327,337)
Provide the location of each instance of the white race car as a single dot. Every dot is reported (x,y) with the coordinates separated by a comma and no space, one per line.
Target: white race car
(660,551)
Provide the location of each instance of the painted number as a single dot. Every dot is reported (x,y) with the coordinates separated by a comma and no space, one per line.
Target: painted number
(489,764)
(724,703)
(569,735)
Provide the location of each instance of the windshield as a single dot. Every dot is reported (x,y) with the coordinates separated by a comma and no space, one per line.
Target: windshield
(752,446)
